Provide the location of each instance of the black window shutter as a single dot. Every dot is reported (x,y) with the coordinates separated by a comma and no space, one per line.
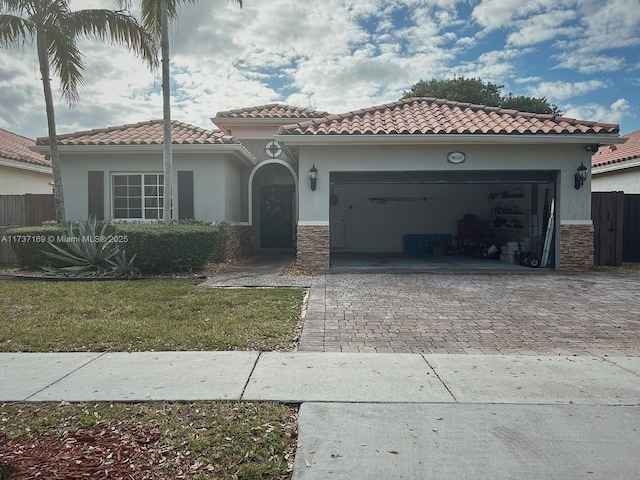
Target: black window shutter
(185,195)
(96,194)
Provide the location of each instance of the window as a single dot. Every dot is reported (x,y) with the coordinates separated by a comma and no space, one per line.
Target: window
(138,196)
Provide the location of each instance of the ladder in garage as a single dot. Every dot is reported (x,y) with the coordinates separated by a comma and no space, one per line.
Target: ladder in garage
(546,251)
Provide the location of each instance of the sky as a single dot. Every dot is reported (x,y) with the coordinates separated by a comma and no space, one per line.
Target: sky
(341,55)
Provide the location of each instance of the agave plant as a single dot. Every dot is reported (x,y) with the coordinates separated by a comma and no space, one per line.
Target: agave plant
(123,267)
(87,249)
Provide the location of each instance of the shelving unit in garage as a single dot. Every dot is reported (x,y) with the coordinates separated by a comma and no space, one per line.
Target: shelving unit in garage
(510,215)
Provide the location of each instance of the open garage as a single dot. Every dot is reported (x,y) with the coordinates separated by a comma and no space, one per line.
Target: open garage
(427,215)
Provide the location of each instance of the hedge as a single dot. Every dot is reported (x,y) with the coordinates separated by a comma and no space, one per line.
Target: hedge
(168,247)
(158,247)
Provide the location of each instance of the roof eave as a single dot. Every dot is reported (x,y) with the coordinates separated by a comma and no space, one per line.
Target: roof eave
(235,148)
(614,167)
(408,139)
(32,167)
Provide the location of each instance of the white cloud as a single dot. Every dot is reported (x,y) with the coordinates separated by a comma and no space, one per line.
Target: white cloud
(528,79)
(496,14)
(589,62)
(557,91)
(540,28)
(614,113)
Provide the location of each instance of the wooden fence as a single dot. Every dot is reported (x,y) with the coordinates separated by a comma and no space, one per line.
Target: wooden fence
(22,211)
(616,224)
(631,229)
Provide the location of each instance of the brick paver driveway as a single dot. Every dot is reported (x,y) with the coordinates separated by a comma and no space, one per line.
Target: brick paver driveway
(541,313)
(507,313)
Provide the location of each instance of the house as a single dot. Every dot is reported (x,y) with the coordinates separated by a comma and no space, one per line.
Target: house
(616,168)
(401,177)
(21,170)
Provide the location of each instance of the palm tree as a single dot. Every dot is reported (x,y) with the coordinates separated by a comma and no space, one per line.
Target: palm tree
(156,15)
(56,29)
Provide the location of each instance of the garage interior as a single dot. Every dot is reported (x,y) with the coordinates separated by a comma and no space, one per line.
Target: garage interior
(470,219)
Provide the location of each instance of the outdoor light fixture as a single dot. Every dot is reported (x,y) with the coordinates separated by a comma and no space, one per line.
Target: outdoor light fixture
(581,176)
(313,177)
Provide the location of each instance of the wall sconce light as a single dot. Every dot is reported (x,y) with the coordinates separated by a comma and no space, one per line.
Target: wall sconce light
(581,176)
(313,177)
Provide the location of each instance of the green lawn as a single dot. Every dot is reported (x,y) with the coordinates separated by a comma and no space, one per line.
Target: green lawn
(144,315)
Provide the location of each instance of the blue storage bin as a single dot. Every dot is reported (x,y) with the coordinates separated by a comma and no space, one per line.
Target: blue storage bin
(423,243)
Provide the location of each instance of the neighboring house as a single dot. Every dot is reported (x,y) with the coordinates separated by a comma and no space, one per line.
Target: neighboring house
(424,167)
(616,168)
(21,170)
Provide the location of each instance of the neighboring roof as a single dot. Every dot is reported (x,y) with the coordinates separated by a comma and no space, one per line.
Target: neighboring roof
(144,133)
(618,154)
(16,147)
(430,116)
(271,110)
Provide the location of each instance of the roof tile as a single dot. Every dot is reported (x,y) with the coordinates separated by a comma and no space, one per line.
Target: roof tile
(607,155)
(16,147)
(271,110)
(427,116)
(143,133)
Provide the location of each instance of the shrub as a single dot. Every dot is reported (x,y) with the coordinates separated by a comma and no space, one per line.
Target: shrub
(171,247)
(29,243)
(157,247)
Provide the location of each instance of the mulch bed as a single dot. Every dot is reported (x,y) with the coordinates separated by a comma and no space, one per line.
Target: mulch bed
(103,451)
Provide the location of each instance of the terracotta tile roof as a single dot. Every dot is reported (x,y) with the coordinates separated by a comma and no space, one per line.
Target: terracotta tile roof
(16,147)
(428,116)
(272,110)
(607,155)
(143,133)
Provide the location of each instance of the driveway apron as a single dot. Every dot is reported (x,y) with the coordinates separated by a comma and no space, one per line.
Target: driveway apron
(453,312)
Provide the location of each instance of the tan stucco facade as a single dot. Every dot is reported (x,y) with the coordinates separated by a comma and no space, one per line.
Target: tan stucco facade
(17,178)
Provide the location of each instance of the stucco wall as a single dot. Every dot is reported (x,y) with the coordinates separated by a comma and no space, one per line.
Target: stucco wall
(627,181)
(215,181)
(18,181)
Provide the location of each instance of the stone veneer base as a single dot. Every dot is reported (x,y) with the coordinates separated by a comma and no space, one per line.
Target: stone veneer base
(313,247)
(576,247)
(240,242)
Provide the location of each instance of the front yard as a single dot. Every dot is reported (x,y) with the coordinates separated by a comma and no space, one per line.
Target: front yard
(144,315)
(156,440)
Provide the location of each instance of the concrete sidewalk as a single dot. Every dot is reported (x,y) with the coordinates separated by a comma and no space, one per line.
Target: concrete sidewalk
(386,416)
(319,377)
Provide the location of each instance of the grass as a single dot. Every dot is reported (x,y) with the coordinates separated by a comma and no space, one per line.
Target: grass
(147,315)
(196,441)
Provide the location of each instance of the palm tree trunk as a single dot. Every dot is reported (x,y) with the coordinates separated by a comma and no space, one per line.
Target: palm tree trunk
(167,159)
(43,59)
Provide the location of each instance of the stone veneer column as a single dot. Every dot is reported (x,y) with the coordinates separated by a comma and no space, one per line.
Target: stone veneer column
(239,242)
(576,247)
(313,248)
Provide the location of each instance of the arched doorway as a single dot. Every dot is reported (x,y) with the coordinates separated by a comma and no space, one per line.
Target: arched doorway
(273,200)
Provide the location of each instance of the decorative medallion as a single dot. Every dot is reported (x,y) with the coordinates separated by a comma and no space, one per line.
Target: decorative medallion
(273,149)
